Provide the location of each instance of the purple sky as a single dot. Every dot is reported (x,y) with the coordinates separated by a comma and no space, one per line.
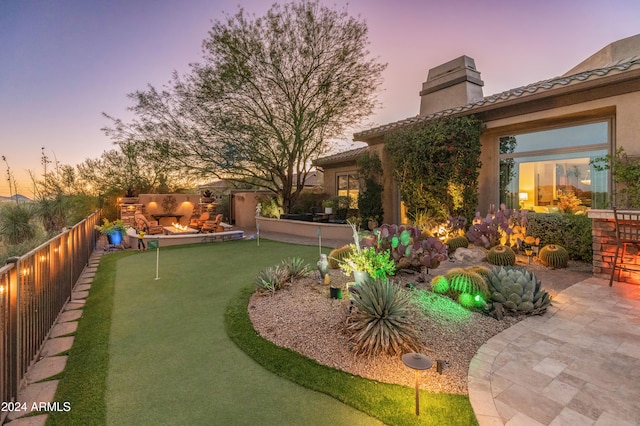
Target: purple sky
(64,62)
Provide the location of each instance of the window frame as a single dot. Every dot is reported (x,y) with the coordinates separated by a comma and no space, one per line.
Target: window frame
(607,146)
(356,178)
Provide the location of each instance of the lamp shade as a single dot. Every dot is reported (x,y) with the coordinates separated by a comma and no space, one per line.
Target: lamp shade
(523,196)
(416,361)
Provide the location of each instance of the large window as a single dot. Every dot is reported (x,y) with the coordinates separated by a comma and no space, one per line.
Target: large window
(349,186)
(539,170)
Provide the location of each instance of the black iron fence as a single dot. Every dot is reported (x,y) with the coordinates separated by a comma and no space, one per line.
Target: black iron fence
(33,291)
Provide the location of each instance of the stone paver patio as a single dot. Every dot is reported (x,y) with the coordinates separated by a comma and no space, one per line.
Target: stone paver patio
(579,364)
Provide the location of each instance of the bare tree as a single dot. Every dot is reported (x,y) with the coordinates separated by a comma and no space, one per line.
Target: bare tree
(269,96)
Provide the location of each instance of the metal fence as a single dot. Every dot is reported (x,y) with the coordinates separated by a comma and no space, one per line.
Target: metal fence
(33,291)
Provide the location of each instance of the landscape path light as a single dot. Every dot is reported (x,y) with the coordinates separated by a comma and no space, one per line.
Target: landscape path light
(417,362)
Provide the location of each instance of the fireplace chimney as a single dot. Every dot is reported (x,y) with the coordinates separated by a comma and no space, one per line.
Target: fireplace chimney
(449,85)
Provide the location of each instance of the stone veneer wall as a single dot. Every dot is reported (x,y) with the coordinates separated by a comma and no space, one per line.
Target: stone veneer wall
(604,236)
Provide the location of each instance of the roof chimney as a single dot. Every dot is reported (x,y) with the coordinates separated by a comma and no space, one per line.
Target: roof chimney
(449,85)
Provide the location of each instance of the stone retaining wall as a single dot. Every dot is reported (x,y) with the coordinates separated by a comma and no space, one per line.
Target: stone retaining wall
(604,237)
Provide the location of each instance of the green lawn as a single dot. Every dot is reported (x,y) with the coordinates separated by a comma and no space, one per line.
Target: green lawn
(156,352)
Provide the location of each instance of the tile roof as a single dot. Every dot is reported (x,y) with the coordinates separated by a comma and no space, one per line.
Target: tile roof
(541,86)
(342,156)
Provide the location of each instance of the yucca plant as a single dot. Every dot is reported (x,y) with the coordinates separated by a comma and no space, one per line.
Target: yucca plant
(272,278)
(296,268)
(381,321)
(16,225)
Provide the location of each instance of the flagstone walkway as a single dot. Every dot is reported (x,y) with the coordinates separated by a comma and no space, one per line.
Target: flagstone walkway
(38,389)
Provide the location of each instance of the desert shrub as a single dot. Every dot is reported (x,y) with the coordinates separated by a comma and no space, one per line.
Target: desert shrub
(376,264)
(370,195)
(308,201)
(270,208)
(16,223)
(380,321)
(296,268)
(272,279)
(567,230)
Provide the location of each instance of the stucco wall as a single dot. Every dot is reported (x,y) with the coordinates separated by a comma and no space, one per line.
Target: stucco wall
(244,207)
(185,204)
(330,180)
(329,231)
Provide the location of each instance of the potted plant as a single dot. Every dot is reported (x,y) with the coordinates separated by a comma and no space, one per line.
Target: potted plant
(130,197)
(366,263)
(206,196)
(328,206)
(113,230)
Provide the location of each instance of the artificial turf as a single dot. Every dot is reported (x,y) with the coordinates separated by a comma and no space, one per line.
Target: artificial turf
(166,358)
(156,352)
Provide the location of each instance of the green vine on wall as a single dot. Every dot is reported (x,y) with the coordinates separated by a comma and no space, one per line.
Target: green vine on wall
(370,195)
(436,165)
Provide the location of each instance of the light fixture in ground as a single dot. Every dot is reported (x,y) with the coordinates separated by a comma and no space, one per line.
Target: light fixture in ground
(417,362)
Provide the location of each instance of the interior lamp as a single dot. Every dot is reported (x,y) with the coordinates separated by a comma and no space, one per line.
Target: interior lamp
(523,196)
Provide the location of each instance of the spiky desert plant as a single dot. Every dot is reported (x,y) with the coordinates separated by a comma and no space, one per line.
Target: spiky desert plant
(440,284)
(296,267)
(517,290)
(466,281)
(16,225)
(272,279)
(483,271)
(501,256)
(338,254)
(381,321)
(457,242)
(554,255)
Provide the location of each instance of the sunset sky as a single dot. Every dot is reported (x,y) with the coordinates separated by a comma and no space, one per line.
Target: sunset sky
(65,62)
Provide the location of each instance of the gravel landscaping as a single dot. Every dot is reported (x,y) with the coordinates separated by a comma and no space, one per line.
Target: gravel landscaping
(304,318)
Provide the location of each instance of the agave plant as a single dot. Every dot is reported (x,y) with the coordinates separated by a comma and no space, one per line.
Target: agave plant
(517,290)
(380,321)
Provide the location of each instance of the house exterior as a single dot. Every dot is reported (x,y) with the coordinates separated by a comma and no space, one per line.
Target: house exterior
(538,140)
